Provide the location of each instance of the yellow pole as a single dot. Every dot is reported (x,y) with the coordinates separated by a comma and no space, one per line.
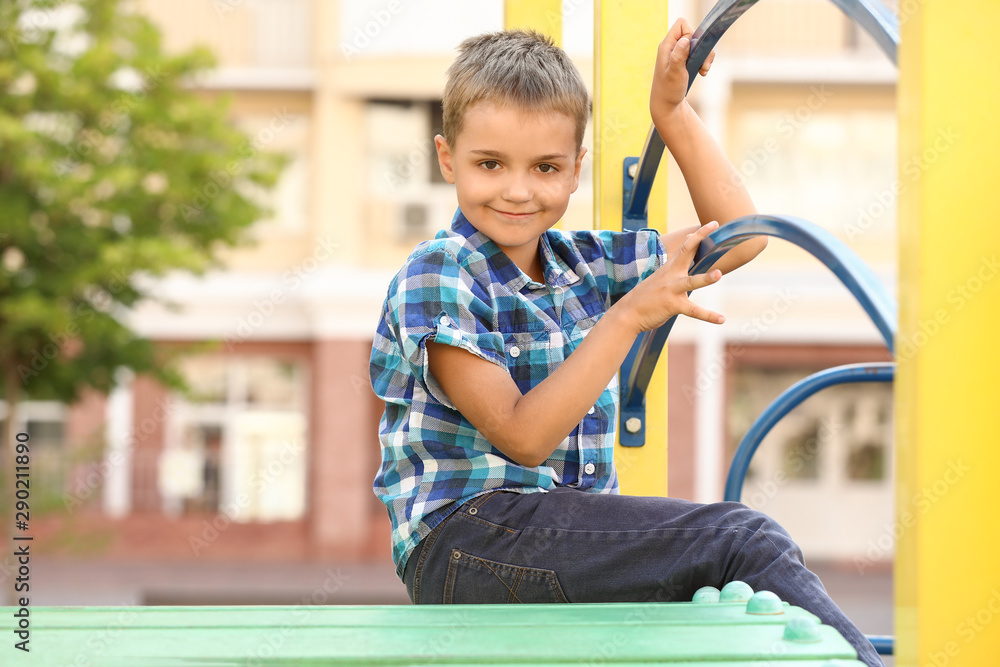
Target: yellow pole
(545,16)
(947,577)
(626,34)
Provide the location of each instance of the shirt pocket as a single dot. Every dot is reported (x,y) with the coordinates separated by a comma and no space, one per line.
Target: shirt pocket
(581,328)
(526,351)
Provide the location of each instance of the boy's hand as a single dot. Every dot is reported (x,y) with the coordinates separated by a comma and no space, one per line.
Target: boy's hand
(670,78)
(664,294)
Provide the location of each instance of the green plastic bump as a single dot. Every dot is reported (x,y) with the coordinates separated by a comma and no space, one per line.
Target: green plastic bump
(735,591)
(765,602)
(802,629)
(706,594)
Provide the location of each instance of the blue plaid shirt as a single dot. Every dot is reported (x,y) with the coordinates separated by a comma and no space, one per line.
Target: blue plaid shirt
(460,289)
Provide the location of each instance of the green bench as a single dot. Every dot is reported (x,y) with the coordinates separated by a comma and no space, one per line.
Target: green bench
(761,631)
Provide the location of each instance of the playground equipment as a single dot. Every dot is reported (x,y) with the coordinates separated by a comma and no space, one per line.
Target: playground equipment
(743,628)
(637,182)
(947,580)
(948,367)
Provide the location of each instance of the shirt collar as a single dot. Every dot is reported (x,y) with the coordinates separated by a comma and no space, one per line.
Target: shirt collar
(556,270)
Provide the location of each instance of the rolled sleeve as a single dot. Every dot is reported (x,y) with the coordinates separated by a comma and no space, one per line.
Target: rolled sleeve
(438,300)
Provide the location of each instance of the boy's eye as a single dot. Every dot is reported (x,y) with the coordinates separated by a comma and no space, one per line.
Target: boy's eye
(490,165)
(546,168)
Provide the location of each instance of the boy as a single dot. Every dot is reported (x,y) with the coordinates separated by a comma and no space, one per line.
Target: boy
(499,348)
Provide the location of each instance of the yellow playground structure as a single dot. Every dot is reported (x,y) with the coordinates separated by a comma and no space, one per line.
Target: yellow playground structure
(947,580)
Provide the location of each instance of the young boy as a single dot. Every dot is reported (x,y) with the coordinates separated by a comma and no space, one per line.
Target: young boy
(498,351)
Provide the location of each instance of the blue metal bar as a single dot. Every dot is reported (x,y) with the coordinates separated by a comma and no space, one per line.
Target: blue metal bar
(872,15)
(883,644)
(707,35)
(789,400)
(878,20)
(824,246)
(833,253)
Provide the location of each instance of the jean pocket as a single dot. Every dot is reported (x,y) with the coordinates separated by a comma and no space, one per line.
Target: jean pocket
(475,580)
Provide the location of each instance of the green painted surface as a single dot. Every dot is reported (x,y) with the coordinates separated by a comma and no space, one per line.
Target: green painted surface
(604,634)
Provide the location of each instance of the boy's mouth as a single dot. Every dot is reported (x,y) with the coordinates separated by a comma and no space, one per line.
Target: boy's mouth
(516,216)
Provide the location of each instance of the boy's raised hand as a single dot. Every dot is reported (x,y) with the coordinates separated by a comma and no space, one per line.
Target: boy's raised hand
(670,78)
(664,294)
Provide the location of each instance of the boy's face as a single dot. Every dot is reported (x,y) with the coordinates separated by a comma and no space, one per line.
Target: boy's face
(513,171)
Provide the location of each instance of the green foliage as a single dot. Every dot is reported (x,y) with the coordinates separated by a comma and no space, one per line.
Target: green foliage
(113,170)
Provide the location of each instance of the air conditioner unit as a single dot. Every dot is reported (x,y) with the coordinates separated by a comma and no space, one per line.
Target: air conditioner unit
(418,216)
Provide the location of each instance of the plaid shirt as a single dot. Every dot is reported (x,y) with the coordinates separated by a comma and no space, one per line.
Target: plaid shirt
(460,289)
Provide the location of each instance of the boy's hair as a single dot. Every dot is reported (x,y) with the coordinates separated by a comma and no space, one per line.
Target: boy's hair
(514,68)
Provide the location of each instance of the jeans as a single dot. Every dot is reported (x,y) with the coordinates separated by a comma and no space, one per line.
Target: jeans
(572,546)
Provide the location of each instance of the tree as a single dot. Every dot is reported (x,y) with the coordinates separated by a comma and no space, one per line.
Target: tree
(113,170)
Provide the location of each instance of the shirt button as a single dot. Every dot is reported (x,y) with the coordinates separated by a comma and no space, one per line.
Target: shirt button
(515,351)
(591,410)
(589,468)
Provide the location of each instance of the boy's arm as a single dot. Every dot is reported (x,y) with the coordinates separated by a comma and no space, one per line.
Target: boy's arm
(529,427)
(717,191)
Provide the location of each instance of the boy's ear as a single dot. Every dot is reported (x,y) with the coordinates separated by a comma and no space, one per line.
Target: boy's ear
(444,159)
(577,167)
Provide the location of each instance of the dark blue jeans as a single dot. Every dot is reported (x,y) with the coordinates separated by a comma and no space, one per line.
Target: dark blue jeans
(573,546)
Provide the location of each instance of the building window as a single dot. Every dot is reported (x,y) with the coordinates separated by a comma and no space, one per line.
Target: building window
(51,461)
(237,442)
(286,203)
(801,453)
(840,435)
(409,198)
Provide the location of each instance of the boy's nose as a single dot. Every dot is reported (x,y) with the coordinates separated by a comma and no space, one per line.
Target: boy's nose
(516,189)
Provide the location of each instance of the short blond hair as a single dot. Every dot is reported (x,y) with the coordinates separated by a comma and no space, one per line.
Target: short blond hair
(514,68)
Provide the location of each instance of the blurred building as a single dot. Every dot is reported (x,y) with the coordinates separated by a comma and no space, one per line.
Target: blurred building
(274,458)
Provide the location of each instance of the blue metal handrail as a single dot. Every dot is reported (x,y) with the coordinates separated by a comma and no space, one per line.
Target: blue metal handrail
(876,19)
(861,281)
(884,644)
(789,400)
(821,244)
(872,15)
(637,369)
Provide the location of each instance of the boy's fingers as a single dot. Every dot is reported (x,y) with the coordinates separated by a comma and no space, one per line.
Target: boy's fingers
(707,65)
(680,29)
(694,239)
(702,280)
(679,55)
(696,312)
